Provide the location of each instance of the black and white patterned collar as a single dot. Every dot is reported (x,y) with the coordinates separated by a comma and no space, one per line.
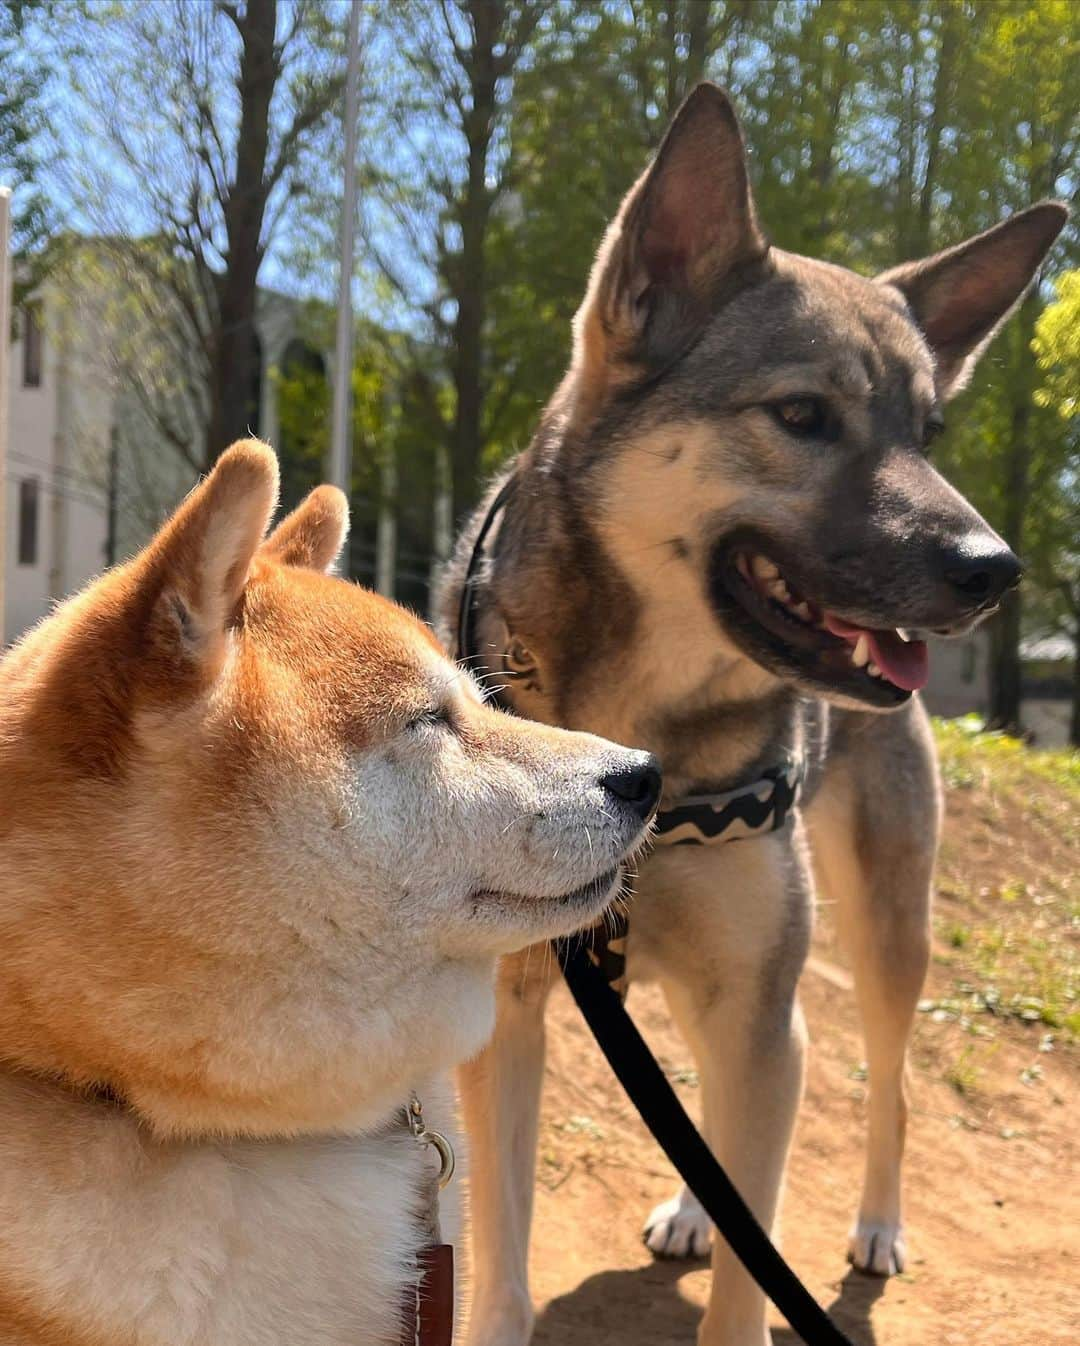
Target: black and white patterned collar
(752,809)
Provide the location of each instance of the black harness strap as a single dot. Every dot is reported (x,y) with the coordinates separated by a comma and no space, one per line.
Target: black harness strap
(595,983)
(466,632)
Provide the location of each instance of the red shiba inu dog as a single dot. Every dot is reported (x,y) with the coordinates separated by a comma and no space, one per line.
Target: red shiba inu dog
(261,844)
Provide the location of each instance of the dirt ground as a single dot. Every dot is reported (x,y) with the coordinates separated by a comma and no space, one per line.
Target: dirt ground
(993,1167)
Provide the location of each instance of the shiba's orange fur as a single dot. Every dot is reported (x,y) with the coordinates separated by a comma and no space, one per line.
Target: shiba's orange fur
(251,893)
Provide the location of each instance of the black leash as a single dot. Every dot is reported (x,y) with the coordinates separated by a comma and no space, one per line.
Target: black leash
(648,1089)
(640,1075)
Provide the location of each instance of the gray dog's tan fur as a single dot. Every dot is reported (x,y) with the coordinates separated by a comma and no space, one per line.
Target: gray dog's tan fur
(677,444)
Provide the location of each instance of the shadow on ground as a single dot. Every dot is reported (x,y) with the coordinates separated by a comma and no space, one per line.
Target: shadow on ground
(643,1307)
(850,1310)
(627,1307)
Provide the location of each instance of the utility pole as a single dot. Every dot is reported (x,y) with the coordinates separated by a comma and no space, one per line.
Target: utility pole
(114,495)
(386,524)
(340,438)
(5,344)
(386,534)
(442,531)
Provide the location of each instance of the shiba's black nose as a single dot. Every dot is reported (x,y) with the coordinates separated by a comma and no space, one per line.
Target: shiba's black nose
(983,577)
(638,785)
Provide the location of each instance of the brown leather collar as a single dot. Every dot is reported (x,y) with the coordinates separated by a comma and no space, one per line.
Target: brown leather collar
(428,1315)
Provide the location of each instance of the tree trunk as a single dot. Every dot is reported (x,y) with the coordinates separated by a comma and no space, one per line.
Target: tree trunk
(672,86)
(469,289)
(1005,672)
(905,171)
(835,73)
(699,25)
(943,91)
(236,360)
(1074,724)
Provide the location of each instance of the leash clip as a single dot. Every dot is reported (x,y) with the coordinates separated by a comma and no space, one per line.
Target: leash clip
(414,1113)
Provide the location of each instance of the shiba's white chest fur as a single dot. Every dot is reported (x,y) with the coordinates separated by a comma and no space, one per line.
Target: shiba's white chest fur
(115,1237)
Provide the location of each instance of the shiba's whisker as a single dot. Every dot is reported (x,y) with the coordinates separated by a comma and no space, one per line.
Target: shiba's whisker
(487,680)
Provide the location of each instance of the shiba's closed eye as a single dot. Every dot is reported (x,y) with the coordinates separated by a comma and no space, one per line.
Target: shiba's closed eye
(435,717)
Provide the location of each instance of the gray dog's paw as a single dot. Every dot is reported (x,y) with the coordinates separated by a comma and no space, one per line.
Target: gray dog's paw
(877,1247)
(678,1228)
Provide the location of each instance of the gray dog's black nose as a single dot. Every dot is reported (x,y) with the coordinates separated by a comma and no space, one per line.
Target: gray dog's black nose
(984,577)
(638,785)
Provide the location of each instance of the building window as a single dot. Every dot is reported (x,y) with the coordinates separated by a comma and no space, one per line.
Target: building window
(28,521)
(31,347)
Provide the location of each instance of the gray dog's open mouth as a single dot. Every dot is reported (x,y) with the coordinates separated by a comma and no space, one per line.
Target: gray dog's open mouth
(784,626)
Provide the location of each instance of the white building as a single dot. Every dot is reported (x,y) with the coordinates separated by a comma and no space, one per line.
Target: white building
(959,676)
(85,484)
(57,520)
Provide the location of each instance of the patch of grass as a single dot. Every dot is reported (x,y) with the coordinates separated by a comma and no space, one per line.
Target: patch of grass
(956,935)
(973,756)
(963,1074)
(1010,974)
(1008,928)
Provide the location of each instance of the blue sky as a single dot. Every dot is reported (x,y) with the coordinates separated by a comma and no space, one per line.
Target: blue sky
(92,73)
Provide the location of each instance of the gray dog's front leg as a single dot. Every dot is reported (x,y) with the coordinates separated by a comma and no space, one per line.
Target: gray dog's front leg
(500,1093)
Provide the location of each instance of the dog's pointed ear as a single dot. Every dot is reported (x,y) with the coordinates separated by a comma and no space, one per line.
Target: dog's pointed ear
(960,297)
(314,533)
(681,241)
(195,569)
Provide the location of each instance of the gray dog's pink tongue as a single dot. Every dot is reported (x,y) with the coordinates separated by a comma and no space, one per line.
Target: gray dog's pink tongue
(906,663)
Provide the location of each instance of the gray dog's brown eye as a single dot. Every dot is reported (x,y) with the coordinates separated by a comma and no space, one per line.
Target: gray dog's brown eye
(935,425)
(801,415)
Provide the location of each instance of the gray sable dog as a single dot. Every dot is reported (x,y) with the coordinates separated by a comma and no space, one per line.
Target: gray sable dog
(725,516)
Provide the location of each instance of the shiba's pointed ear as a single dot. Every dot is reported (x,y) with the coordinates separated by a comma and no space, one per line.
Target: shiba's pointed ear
(680,243)
(196,567)
(960,297)
(313,534)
